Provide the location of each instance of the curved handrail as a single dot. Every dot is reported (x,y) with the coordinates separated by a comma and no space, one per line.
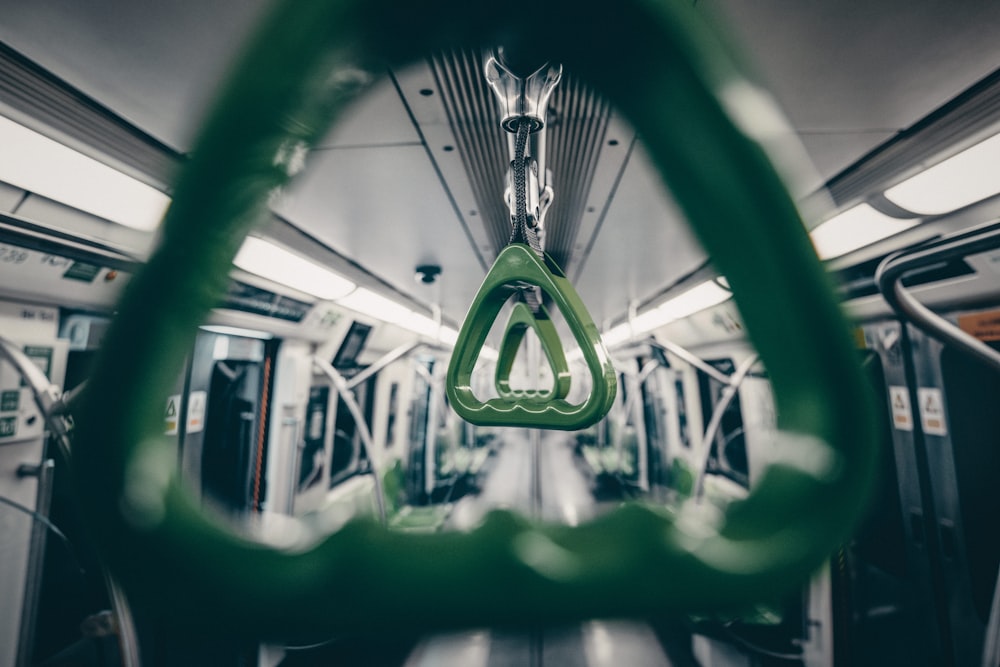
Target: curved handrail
(889,278)
(691,105)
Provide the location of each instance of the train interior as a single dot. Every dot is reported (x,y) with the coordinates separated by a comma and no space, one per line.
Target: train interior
(316,391)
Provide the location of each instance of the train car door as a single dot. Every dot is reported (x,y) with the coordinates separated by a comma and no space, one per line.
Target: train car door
(225,420)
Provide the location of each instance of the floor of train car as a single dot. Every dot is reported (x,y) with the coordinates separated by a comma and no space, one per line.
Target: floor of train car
(554,488)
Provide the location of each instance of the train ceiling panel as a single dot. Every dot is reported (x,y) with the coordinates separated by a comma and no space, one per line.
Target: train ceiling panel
(156,64)
(643,244)
(575,134)
(386,209)
(379,118)
(856,72)
(619,144)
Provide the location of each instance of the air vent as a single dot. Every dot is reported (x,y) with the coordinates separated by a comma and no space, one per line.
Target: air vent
(577,123)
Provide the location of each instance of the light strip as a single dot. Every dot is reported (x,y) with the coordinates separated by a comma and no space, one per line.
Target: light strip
(696,299)
(855,228)
(369,303)
(960,180)
(375,305)
(273,262)
(237,331)
(33,162)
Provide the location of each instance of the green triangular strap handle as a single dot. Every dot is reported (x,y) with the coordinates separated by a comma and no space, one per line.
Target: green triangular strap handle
(517,265)
(521,319)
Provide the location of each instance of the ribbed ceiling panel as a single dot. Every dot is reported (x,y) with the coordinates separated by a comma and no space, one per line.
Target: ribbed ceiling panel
(41,96)
(577,123)
(481,143)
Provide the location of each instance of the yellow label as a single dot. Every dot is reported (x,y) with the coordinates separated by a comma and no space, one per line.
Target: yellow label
(984,326)
(859,338)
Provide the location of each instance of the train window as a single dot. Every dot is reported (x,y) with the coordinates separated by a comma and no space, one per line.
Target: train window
(349,455)
(344,460)
(728,456)
(682,416)
(655,415)
(390,422)
(971,389)
(313,459)
(419,413)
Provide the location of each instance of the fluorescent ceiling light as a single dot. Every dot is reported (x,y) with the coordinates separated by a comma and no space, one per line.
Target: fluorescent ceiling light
(421,324)
(375,305)
(237,331)
(615,335)
(35,163)
(855,228)
(960,180)
(698,298)
(273,262)
(369,303)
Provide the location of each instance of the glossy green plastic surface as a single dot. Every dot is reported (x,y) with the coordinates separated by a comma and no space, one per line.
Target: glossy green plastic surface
(520,321)
(668,73)
(518,263)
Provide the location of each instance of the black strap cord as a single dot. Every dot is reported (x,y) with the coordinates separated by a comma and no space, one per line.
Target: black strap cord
(524,227)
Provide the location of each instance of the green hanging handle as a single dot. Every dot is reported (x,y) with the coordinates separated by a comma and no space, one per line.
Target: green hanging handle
(519,264)
(521,319)
(670,77)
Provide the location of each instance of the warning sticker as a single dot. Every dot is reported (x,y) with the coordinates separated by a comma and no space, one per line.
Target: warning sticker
(859,338)
(10,400)
(984,326)
(172,414)
(931,411)
(196,412)
(902,416)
